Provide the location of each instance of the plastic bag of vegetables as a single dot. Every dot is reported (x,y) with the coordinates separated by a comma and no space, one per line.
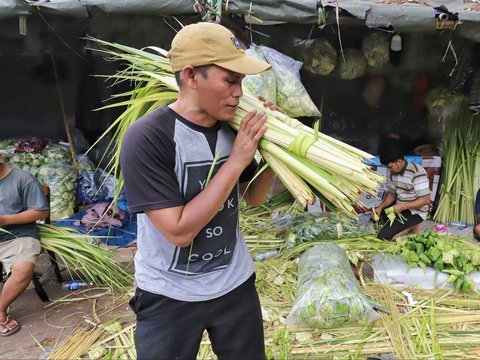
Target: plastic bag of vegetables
(318,56)
(311,226)
(291,94)
(62,180)
(328,294)
(56,153)
(354,65)
(30,162)
(7,148)
(442,103)
(263,84)
(376,49)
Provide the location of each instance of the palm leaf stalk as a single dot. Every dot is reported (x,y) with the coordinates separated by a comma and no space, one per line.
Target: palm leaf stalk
(459,182)
(88,261)
(308,162)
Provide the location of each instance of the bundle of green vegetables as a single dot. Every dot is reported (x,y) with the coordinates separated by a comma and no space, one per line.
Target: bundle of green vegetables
(328,294)
(308,162)
(450,255)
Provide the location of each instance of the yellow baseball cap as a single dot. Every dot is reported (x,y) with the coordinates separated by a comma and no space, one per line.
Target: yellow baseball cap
(209,43)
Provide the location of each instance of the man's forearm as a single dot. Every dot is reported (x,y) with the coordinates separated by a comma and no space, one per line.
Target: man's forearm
(24,217)
(181,224)
(387,201)
(416,204)
(257,191)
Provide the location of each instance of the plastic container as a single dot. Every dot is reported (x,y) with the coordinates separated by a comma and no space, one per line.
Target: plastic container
(74,285)
(264,255)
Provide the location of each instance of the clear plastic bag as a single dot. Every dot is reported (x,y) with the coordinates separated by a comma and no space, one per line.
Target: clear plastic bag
(318,56)
(312,226)
(62,181)
(354,65)
(263,84)
(291,94)
(376,49)
(328,294)
(96,185)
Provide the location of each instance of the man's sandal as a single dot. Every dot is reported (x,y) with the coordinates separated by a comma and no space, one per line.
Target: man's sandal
(8,332)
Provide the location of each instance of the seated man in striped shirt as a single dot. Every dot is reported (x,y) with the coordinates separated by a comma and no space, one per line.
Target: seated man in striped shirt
(408,194)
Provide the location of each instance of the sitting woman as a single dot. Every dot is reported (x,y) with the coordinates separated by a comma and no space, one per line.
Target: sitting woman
(476,229)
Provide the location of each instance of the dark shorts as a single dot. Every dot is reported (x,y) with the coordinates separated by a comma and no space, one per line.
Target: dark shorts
(387,232)
(173,329)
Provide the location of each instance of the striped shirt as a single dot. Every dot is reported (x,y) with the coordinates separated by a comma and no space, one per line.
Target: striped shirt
(409,185)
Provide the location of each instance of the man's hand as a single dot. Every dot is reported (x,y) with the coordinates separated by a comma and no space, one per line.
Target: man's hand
(398,208)
(375,213)
(3,221)
(251,131)
(271,105)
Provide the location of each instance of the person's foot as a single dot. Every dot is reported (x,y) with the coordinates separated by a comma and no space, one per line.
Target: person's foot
(8,326)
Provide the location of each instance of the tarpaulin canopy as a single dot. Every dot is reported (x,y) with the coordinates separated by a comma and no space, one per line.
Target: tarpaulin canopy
(400,15)
(80,8)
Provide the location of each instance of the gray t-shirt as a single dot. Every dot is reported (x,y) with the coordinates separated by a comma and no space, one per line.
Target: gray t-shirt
(20,191)
(165,160)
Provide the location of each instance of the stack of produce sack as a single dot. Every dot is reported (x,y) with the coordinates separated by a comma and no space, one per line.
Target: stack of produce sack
(51,164)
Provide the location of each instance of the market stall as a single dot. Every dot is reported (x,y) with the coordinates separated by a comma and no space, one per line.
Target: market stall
(354,73)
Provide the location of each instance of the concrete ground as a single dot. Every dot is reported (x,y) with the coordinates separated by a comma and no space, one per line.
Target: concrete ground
(45,325)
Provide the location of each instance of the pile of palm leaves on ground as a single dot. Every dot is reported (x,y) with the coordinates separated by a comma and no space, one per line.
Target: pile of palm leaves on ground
(438,324)
(86,260)
(308,162)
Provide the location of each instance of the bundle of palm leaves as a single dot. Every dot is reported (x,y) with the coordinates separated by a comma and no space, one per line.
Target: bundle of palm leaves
(308,162)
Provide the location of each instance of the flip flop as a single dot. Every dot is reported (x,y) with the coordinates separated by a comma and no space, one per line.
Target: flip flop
(9,332)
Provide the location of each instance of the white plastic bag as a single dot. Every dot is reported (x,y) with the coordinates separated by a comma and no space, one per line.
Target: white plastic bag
(291,94)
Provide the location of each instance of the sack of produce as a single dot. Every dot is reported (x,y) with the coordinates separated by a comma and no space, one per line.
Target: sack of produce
(30,162)
(291,94)
(8,147)
(353,66)
(376,49)
(56,153)
(442,103)
(62,180)
(311,226)
(318,55)
(328,294)
(263,84)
